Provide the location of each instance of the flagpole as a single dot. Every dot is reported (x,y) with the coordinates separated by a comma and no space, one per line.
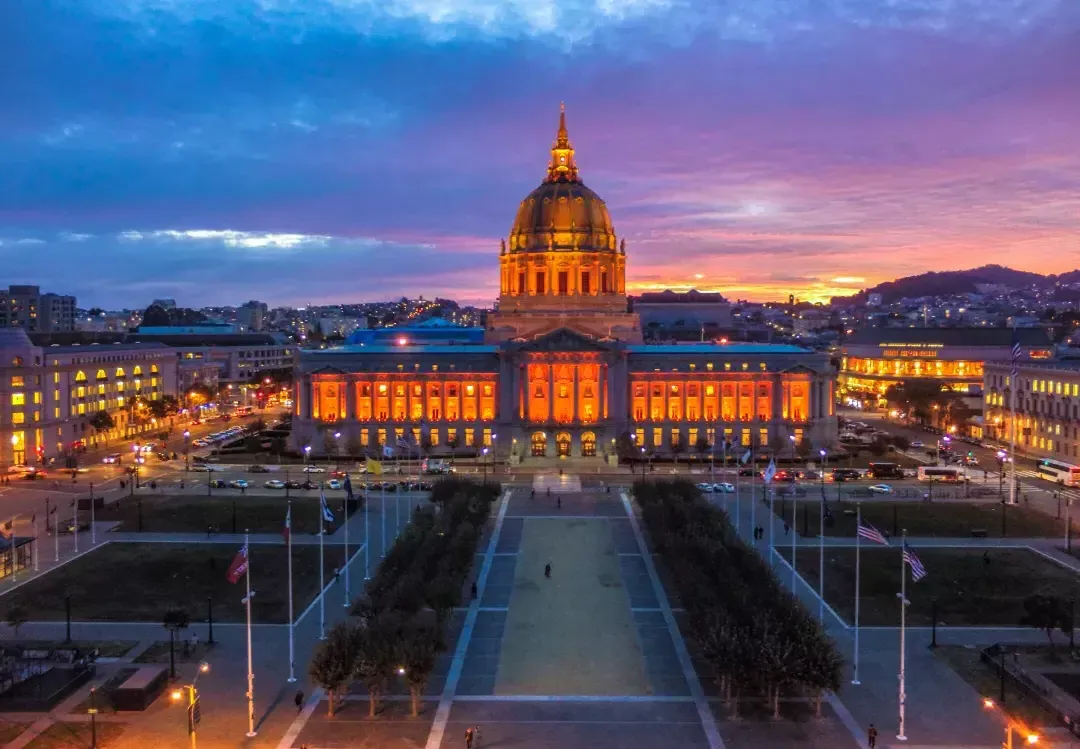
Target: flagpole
(292,624)
(903,624)
(56,534)
(1012,436)
(322,565)
(858,554)
(382,520)
(738,504)
(250,673)
(367,539)
(753,499)
(345,513)
(75,515)
(772,525)
(14,566)
(725,475)
(36,554)
(821,560)
(93,530)
(794,507)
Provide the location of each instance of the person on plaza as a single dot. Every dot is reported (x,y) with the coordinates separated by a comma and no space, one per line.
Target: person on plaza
(558,502)
(470,736)
(871,737)
(786,529)
(476,735)
(547,570)
(472,590)
(299,700)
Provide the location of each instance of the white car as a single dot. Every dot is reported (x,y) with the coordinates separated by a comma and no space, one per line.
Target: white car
(274,484)
(918,443)
(239,484)
(314,469)
(705,488)
(723,488)
(880,489)
(201,467)
(334,484)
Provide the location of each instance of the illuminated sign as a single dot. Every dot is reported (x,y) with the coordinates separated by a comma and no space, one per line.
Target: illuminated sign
(906,353)
(912,345)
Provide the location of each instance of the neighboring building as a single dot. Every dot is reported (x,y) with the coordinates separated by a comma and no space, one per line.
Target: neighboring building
(239,357)
(340,325)
(49,395)
(25,307)
(560,369)
(1047,408)
(694,312)
(874,359)
(106,322)
(252,316)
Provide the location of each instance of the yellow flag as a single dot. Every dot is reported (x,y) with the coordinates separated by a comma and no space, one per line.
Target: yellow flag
(374,467)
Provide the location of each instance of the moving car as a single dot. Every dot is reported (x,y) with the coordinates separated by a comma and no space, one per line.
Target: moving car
(880,488)
(239,484)
(334,484)
(723,488)
(705,488)
(294,484)
(314,469)
(274,484)
(258,469)
(113,458)
(918,443)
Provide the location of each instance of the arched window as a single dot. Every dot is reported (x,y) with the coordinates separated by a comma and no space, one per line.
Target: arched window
(153,368)
(80,376)
(137,371)
(101,375)
(120,372)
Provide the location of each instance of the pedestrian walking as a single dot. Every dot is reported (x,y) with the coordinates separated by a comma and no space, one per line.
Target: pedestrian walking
(558,502)
(472,590)
(299,700)
(547,570)
(786,529)
(871,737)
(476,736)
(209,529)
(194,641)
(470,736)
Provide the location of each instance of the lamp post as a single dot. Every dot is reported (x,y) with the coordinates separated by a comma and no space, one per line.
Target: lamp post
(1030,738)
(191,691)
(187,450)
(337,450)
(1001,474)
(135,462)
(643,464)
(483,463)
(821,543)
(307,454)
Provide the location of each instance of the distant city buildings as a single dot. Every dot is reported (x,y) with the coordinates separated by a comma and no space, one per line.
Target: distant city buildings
(24,306)
(252,316)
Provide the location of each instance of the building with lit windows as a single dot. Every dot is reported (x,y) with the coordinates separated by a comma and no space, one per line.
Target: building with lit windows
(874,359)
(1047,408)
(49,395)
(560,369)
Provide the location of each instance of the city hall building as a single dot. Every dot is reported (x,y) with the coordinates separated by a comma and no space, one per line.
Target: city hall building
(560,369)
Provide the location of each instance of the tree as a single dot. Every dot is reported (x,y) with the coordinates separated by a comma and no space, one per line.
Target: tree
(330,443)
(1046,613)
(442,595)
(453,443)
(703,446)
(198,394)
(175,620)
(334,659)
(677,446)
(419,647)
(353,447)
(804,448)
(101,422)
(15,617)
(377,656)
(156,316)
(778,444)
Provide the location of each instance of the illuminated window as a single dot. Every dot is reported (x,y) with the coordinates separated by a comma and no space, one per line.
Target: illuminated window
(101,375)
(18,381)
(80,376)
(727,366)
(153,368)
(692,438)
(18,417)
(434,437)
(381,436)
(56,377)
(763,436)
(470,437)
(81,409)
(451,436)
(658,437)
(119,371)
(56,413)
(37,397)
(639,437)
(709,366)
(18,399)
(487,438)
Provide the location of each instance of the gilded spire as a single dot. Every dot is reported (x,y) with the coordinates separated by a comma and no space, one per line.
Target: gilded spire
(562,167)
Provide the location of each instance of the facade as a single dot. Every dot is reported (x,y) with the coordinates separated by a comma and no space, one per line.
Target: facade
(25,307)
(874,359)
(1047,408)
(50,395)
(560,369)
(669,312)
(252,316)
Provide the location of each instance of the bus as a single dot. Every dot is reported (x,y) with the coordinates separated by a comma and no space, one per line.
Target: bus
(1065,474)
(942,473)
(243,411)
(886,471)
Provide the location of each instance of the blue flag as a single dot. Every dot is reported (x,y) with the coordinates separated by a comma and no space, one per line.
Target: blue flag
(327,514)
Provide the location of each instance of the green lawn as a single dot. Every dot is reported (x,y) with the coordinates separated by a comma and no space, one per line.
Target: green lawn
(951,519)
(188,514)
(140,581)
(969,591)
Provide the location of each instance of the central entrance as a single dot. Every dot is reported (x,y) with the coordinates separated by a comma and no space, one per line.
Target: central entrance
(588,445)
(562,445)
(539,444)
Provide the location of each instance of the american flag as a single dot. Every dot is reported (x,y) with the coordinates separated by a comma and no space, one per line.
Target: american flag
(918,572)
(873,534)
(404,443)
(1016,353)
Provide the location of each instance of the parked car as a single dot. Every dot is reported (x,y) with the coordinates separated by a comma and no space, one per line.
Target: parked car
(314,469)
(239,484)
(274,484)
(219,484)
(880,489)
(846,474)
(723,487)
(309,485)
(258,469)
(294,484)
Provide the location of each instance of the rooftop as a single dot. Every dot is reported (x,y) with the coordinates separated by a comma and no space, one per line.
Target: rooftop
(719,349)
(951,336)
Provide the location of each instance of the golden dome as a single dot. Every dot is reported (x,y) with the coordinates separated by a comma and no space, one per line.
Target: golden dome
(562,214)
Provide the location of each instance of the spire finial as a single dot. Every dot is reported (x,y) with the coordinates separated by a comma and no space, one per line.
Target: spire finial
(562,167)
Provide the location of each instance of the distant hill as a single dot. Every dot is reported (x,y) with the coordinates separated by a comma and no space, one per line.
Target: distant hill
(957,282)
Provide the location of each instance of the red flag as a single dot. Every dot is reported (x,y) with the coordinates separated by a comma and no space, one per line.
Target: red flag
(239,565)
(288,524)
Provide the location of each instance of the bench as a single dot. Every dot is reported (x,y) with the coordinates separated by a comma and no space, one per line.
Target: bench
(140,689)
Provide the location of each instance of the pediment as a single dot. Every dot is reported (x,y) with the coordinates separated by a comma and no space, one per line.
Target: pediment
(799,369)
(327,371)
(564,339)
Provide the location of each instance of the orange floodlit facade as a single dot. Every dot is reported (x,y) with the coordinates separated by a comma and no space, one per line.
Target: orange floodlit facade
(560,370)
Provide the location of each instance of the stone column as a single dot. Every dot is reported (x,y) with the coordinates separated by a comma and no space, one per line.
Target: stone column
(551,393)
(350,399)
(574,415)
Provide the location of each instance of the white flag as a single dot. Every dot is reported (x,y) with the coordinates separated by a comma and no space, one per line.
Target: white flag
(770,471)
(328,515)
(745,457)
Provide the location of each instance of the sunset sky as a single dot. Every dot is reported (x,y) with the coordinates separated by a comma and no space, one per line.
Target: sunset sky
(317,151)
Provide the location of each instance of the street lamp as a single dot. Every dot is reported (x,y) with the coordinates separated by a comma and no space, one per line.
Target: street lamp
(307,453)
(187,450)
(1030,737)
(193,714)
(337,448)
(1001,474)
(483,462)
